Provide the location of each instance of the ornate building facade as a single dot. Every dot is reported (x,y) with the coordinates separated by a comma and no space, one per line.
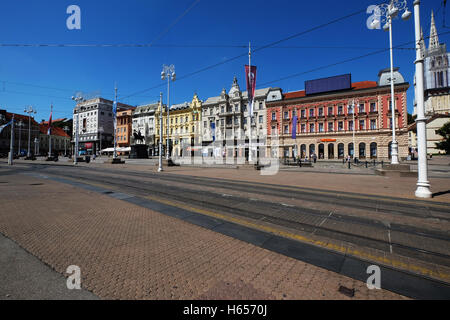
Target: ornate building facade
(327,121)
(225,126)
(184,127)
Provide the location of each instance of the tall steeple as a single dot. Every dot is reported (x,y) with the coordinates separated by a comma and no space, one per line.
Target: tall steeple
(434,40)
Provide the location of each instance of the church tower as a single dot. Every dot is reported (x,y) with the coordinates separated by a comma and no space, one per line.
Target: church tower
(437,72)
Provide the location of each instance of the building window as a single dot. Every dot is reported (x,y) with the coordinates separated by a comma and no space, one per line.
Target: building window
(320,112)
(303,113)
(274,116)
(330,111)
(303,128)
(311,112)
(273,130)
(361,108)
(320,127)
(330,126)
(373,107)
(286,115)
(350,109)
(261,119)
(350,125)
(340,110)
(286,129)
(362,125)
(311,127)
(373,124)
(340,126)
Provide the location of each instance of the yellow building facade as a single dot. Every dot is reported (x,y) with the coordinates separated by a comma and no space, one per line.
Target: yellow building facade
(184,127)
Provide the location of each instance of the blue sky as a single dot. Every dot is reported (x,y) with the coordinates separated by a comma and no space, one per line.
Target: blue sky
(212,31)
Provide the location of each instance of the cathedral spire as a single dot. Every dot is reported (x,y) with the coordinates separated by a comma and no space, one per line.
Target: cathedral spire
(434,40)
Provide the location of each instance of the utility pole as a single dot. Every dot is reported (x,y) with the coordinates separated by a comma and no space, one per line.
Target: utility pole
(423,185)
(250,108)
(115,122)
(19,126)
(11,146)
(160,168)
(50,135)
(30,111)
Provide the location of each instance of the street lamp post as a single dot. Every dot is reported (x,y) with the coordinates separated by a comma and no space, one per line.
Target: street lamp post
(66,129)
(387,12)
(423,185)
(75,155)
(36,145)
(19,126)
(353,103)
(169,74)
(30,111)
(160,168)
(11,145)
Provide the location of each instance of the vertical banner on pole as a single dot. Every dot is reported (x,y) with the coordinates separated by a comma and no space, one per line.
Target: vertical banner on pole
(250,75)
(294,128)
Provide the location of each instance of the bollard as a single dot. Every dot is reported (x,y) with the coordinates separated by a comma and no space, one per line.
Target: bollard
(367,164)
(349,164)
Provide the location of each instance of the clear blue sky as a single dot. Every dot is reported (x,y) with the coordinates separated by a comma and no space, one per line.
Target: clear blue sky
(210,23)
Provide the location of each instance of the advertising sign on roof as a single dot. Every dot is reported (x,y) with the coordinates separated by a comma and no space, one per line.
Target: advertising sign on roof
(335,83)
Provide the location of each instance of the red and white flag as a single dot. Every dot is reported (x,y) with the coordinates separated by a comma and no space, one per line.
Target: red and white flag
(250,75)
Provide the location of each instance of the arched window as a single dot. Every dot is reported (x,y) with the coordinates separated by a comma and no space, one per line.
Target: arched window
(321,151)
(312,149)
(373,150)
(303,150)
(341,153)
(362,150)
(351,150)
(330,151)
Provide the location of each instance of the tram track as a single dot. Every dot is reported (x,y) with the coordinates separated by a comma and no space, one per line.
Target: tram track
(297,218)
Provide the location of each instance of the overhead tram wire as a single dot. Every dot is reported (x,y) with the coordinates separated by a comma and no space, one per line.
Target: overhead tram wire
(258,49)
(344,61)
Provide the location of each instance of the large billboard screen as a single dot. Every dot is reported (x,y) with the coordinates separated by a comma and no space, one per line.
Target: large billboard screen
(341,82)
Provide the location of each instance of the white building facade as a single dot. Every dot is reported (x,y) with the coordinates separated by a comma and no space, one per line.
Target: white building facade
(225,122)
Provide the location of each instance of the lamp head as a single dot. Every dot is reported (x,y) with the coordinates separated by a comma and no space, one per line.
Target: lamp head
(386,26)
(406,15)
(174,76)
(163,75)
(375,24)
(393,11)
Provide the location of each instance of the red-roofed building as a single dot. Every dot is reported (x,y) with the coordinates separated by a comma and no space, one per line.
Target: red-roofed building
(21,132)
(61,141)
(326,121)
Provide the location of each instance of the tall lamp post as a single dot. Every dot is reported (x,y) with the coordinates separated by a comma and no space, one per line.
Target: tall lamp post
(160,168)
(423,185)
(353,103)
(19,126)
(169,74)
(30,111)
(387,12)
(75,155)
(66,129)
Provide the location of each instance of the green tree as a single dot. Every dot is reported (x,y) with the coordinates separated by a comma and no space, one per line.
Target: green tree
(445,133)
(411,118)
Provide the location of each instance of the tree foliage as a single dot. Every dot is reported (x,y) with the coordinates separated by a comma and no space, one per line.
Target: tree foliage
(445,133)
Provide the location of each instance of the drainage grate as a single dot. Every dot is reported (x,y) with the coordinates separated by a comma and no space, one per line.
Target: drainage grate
(348,292)
(36,184)
(108,192)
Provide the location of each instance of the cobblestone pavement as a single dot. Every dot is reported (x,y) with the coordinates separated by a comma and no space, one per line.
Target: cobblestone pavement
(129,252)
